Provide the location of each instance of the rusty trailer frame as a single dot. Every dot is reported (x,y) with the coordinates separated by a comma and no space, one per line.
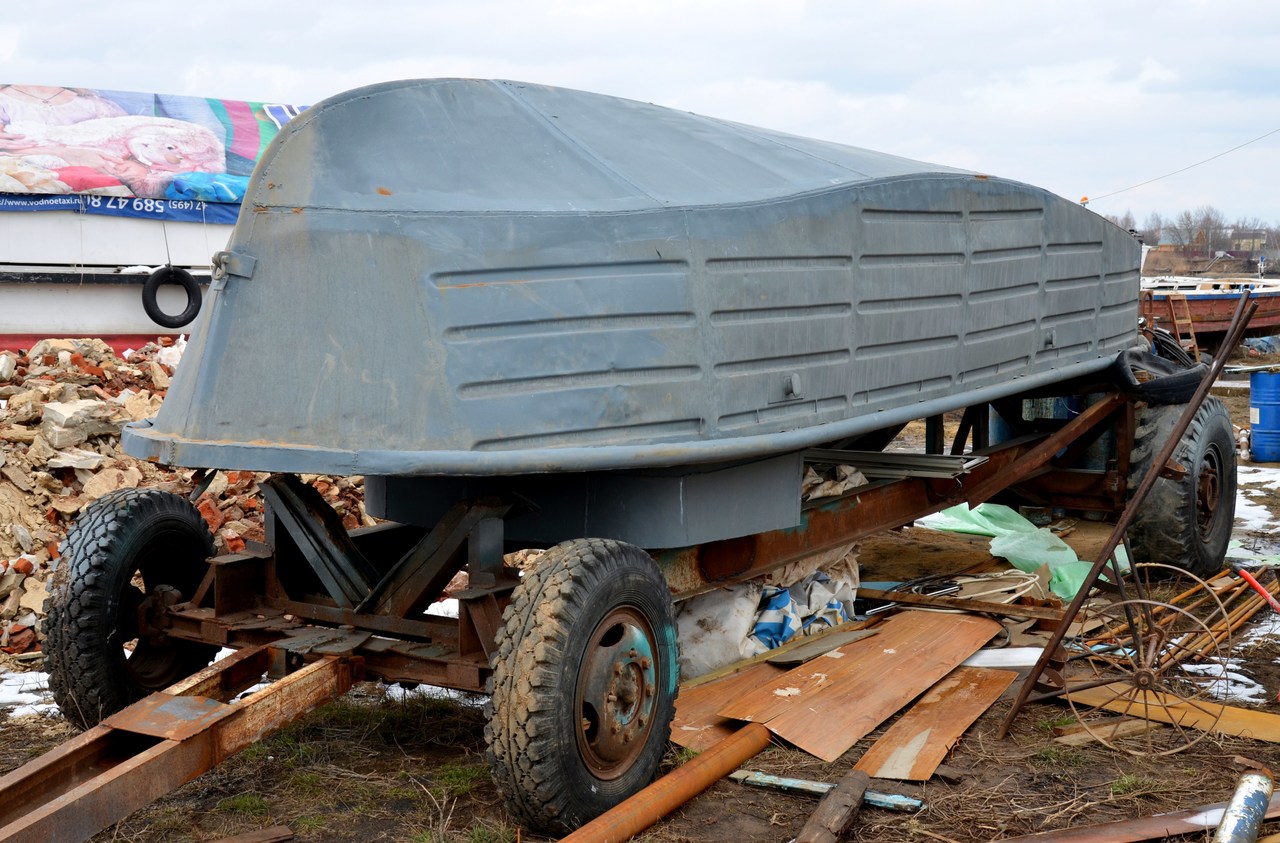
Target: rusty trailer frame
(323,607)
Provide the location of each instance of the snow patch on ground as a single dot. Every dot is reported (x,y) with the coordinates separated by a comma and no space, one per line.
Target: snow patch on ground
(1228,682)
(26,693)
(1249,515)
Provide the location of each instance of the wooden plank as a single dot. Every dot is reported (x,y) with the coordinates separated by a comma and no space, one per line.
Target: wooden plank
(827,705)
(1078,735)
(275,834)
(914,746)
(1242,722)
(1193,821)
(837,810)
(1014,610)
(696,725)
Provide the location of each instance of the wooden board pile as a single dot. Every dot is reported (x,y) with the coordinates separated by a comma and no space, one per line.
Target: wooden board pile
(62,406)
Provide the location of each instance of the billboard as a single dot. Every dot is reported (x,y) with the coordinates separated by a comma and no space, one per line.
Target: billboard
(130,154)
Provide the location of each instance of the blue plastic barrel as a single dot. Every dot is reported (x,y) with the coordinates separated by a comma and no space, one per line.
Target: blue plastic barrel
(1264,416)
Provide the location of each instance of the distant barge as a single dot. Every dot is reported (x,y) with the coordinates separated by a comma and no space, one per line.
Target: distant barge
(1210,302)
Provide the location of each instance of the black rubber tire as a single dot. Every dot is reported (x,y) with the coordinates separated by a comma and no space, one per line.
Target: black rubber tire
(554,632)
(91,610)
(1167,345)
(171,275)
(1185,522)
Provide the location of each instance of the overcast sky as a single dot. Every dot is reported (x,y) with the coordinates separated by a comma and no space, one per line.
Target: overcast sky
(1082,98)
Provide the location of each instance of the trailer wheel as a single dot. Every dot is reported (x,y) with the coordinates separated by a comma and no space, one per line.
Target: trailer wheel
(129,555)
(584,684)
(1187,521)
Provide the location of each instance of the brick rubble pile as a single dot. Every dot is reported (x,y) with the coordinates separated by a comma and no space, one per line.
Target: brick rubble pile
(62,406)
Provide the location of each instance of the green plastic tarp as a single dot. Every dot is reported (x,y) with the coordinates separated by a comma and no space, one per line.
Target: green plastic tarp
(1022,543)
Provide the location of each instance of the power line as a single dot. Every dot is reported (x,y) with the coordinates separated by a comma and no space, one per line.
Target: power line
(1184,169)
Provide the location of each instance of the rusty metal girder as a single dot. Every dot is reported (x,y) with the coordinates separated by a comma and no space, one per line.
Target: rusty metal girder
(145,751)
(831,524)
(875,508)
(1042,453)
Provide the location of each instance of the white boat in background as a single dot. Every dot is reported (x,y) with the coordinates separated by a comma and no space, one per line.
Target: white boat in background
(67,274)
(100,189)
(1210,303)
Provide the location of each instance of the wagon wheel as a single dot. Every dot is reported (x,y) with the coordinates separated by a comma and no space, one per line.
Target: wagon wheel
(584,684)
(1175,585)
(129,556)
(1135,657)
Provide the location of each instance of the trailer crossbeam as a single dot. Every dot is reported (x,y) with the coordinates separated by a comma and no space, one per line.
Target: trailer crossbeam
(159,743)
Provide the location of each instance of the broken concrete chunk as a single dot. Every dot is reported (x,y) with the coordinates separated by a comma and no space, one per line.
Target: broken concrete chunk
(63,437)
(8,365)
(48,482)
(33,596)
(76,412)
(144,405)
(67,504)
(159,376)
(77,458)
(8,582)
(17,477)
(50,346)
(12,604)
(23,535)
(94,415)
(110,479)
(40,452)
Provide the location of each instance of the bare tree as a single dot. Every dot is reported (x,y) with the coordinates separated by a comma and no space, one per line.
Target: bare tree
(1182,230)
(1124,221)
(1211,226)
(1152,228)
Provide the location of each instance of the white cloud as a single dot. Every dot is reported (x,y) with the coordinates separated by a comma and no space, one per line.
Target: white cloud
(1082,98)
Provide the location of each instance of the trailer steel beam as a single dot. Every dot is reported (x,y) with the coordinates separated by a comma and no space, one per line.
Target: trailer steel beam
(167,739)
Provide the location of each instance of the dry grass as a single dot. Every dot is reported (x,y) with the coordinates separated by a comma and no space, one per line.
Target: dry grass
(364,767)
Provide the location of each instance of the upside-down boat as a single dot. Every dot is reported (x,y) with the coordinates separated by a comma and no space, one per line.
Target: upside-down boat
(494,278)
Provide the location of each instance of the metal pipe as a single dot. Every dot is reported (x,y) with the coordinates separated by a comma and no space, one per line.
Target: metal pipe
(638,812)
(1247,809)
(1257,586)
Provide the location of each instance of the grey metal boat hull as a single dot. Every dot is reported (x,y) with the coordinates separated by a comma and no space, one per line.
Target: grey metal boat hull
(485,278)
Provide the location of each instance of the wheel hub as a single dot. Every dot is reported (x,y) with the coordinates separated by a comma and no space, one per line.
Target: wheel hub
(617,693)
(1208,492)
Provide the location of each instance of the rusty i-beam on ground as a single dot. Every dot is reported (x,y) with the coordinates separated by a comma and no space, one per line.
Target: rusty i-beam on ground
(159,743)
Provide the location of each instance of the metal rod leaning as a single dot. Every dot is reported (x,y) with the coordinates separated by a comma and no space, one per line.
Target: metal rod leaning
(1239,321)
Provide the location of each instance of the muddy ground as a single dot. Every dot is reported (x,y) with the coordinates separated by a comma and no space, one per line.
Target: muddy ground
(379,765)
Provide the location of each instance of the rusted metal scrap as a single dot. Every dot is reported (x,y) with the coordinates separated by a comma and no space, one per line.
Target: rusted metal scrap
(1052,651)
(141,753)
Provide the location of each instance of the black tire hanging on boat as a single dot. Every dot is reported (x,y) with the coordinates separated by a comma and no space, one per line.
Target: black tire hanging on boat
(1187,521)
(588,644)
(170,275)
(92,610)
